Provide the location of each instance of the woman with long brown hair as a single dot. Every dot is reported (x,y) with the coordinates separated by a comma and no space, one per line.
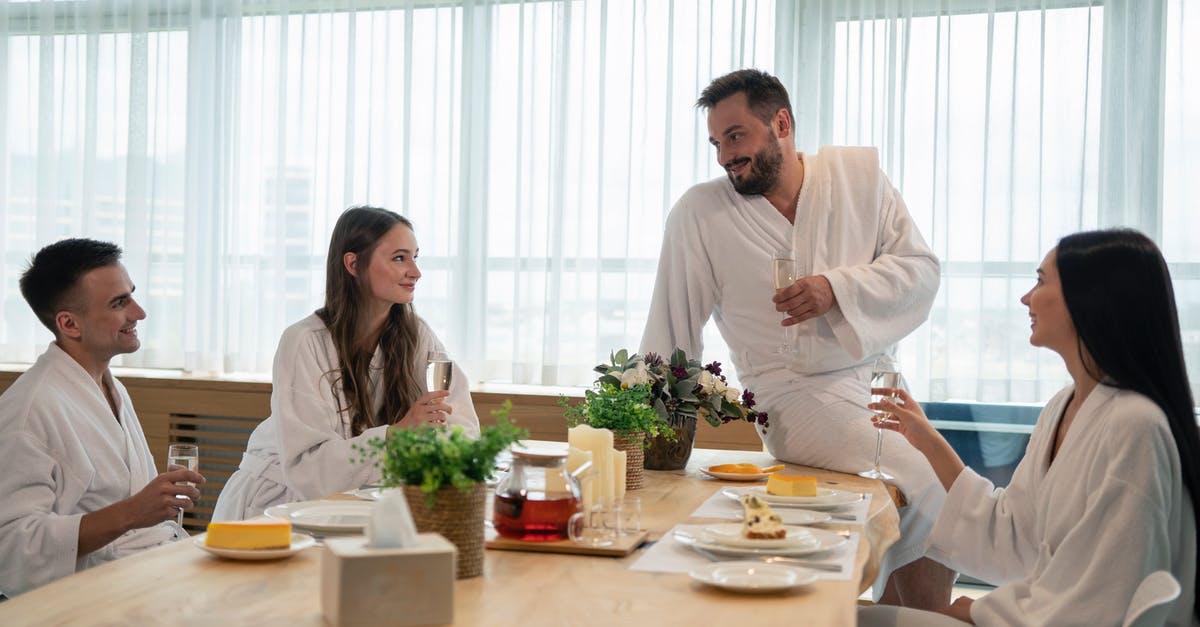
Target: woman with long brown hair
(346,374)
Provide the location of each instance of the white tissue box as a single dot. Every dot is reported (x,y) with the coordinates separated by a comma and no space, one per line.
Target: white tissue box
(361,585)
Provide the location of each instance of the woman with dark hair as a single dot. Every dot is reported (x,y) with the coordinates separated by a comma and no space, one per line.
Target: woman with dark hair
(346,374)
(1106,492)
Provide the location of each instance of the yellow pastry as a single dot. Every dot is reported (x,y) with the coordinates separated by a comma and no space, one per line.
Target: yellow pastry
(786,485)
(741,469)
(744,469)
(249,535)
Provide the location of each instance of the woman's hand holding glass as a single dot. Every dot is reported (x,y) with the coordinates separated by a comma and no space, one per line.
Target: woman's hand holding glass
(897,411)
(431,408)
(905,416)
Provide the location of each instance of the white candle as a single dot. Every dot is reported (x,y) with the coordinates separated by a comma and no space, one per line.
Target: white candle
(577,457)
(599,442)
(618,476)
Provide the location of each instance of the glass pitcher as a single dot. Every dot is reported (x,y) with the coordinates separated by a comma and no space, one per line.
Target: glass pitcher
(538,497)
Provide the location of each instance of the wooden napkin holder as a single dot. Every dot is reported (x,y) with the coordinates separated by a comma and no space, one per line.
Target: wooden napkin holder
(361,585)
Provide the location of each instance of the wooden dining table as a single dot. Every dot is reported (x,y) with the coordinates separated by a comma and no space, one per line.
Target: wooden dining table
(180,584)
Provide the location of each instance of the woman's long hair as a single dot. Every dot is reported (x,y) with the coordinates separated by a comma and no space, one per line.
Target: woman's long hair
(358,231)
(1118,291)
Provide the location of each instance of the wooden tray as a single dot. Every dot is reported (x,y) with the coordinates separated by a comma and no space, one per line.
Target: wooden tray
(624,545)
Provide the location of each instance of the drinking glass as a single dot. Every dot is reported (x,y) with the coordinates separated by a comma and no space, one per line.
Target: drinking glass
(439,371)
(783,269)
(884,374)
(629,516)
(185,456)
(597,527)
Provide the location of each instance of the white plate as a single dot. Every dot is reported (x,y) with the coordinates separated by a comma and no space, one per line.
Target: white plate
(826,540)
(826,498)
(367,494)
(793,516)
(324,516)
(736,476)
(730,534)
(752,576)
(300,541)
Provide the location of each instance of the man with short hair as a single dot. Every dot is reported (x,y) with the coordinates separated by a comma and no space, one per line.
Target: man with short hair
(866,279)
(79,485)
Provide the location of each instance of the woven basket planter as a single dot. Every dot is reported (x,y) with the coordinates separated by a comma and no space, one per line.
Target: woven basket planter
(635,477)
(458,516)
(664,454)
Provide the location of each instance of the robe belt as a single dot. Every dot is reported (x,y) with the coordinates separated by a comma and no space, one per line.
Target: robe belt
(258,467)
(847,384)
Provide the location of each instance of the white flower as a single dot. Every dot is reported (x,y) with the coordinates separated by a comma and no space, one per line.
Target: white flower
(732,394)
(706,381)
(635,376)
(720,386)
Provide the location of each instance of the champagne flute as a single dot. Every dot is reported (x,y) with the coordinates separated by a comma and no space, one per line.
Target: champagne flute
(783,268)
(186,456)
(438,375)
(439,371)
(884,374)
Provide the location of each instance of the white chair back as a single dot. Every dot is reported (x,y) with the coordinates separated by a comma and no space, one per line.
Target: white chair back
(1152,600)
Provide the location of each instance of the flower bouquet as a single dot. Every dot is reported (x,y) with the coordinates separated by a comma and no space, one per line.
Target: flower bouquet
(682,391)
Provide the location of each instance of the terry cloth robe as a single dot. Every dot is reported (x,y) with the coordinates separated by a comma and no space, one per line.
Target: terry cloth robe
(851,227)
(66,455)
(305,449)
(1068,543)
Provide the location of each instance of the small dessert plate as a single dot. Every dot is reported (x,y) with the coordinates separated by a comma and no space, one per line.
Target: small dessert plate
(753,577)
(730,534)
(300,542)
(826,498)
(825,541)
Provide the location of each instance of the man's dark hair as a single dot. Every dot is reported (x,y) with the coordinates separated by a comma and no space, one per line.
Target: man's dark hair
(765,94)
(54,271)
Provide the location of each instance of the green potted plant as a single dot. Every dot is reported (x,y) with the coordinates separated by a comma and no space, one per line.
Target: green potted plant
(443,472)
(627,412)
(682,391)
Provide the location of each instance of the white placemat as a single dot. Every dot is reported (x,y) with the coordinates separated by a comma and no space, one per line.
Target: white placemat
(720,506)
(670,556)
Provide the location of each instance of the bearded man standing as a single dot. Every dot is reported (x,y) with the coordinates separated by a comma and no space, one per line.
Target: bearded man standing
(866,280)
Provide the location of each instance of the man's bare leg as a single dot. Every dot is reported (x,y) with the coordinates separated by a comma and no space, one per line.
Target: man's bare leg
(923,584)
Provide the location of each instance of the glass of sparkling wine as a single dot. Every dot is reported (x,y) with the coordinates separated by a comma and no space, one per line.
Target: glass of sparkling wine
(783,268)
(439,371)
(884,374)
(186,456)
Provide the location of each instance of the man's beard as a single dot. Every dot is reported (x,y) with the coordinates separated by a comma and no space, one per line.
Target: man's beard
(764,170)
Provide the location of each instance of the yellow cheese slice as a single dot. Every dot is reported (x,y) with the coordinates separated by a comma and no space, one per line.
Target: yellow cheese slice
(249,535)
(786,485)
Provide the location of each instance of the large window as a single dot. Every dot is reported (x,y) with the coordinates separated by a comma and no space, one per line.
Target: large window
(539,145)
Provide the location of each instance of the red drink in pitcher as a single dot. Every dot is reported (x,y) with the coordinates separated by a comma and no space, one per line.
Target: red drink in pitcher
(528,517)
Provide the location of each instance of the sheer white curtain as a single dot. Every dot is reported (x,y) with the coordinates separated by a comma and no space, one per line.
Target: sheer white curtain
(1006,125)
(538,145)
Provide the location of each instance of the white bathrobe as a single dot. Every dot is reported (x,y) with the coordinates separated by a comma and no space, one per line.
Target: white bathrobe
(1068,543)
(851,227)
(305,449)
(66,455)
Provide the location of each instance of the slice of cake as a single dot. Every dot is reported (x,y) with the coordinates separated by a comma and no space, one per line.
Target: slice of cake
(249,535)
(786,485)
(760,523)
